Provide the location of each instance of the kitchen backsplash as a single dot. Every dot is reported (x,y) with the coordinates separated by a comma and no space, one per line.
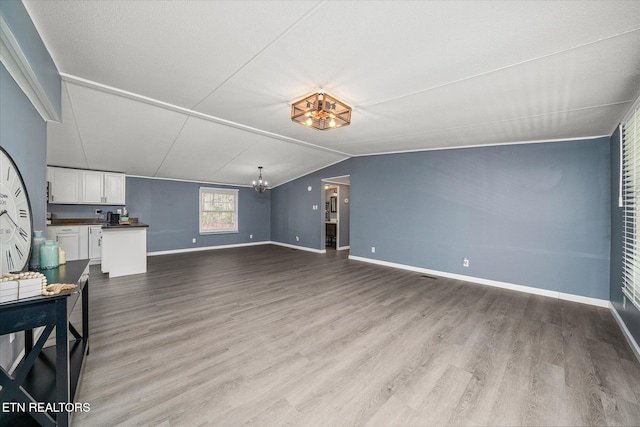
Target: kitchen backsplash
(79,211)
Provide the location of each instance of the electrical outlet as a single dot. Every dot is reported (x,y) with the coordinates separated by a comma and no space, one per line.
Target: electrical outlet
(98,211)
(465,262)
(119,211)
(297,239)
(373,249)
(193,240)
(251,236)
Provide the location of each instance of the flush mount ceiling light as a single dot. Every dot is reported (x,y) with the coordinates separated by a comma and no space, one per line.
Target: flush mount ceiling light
(260,186)
(321,111)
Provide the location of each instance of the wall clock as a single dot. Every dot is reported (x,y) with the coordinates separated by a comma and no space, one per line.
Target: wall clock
(15,217)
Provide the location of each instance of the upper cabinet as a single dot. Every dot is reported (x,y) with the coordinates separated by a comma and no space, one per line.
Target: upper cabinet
(64,185)
(114,188)
(91,187)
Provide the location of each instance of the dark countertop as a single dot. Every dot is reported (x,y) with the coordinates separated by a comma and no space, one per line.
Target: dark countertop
(92,221)
(122,226)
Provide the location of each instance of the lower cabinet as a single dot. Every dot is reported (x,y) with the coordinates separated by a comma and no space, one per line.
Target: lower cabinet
(95,243)
(74,240)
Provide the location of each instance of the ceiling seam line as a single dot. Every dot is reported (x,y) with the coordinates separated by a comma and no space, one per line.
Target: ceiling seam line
(375,103)
(235,157)
(261,51)
(489,144)
(490,122)
(75,122)
(182,110)
(172,144)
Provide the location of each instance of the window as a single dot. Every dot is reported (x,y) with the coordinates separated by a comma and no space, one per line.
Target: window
(630,197)
(218,210)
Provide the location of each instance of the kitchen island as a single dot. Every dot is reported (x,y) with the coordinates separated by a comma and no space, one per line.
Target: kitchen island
(124,249)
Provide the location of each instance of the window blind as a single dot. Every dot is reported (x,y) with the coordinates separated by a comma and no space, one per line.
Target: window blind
(630,136)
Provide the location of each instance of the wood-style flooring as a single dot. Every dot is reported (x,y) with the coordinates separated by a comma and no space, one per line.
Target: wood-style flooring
(271,336)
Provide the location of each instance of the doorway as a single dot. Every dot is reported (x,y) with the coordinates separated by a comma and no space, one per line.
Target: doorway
(336,219)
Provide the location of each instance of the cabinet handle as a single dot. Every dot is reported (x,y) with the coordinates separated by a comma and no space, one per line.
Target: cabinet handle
(100,241)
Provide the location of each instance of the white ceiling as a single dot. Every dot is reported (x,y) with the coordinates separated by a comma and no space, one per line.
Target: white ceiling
(201,90)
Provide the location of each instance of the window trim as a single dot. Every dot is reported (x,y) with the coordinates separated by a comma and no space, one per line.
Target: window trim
(215,190)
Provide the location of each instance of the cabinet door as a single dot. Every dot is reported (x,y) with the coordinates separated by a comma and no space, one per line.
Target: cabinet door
(92,187)
(95,242)
(114,188)
(64,185)
(70,243)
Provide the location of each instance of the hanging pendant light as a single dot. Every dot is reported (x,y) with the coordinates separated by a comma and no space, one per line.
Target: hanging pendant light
(260,185)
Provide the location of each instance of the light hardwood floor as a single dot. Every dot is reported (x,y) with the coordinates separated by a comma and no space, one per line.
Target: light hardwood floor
(271,336)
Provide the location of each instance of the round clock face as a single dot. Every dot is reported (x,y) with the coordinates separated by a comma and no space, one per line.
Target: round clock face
(15,218)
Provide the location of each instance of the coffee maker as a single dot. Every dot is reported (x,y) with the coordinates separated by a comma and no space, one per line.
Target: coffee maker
(113,218)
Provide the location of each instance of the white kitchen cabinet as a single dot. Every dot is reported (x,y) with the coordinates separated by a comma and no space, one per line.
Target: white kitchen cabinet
(95,244)
(74,240)
(64,185)
(92,187)
(114,188)
(103,188)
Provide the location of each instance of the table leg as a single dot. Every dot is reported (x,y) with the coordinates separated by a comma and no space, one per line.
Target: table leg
(85,314)
(28,341)
(62,360)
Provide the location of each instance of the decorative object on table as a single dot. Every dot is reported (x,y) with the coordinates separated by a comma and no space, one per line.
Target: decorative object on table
(37,242)
(15,217)
(321,111)
(49,255)
(56,288)
(21,285)
(62,256)
(260,185)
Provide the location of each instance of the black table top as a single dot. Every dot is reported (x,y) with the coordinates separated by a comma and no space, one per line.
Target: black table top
(66,273)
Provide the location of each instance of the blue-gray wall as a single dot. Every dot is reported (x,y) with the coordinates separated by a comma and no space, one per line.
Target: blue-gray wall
(534,214)
(630,315)
(21,26)
(171,210)
(292,211)
(23,134)
(23,131)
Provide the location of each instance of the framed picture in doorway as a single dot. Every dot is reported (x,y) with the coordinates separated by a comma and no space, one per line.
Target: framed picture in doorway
(334,207)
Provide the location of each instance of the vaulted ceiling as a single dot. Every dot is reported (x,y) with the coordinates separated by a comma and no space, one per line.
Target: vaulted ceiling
(201,90)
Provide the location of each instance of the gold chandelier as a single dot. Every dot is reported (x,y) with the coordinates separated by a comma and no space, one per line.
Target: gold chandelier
(321,111)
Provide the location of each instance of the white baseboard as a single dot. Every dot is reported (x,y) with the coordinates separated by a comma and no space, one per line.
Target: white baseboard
(342,248)
(301,248)
(632,342)
(207,248)
(494,283)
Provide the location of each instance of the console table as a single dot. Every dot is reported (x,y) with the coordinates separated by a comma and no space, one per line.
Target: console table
(47,374)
